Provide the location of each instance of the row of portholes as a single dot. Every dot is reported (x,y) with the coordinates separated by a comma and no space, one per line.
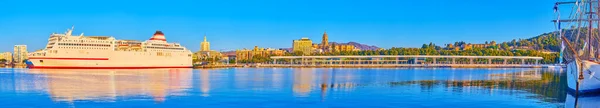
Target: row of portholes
(158,54)
(95,41)
(83,48)
(117,49)
(76,44)
(167,50)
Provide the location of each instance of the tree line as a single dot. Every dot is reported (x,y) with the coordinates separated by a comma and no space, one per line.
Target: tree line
(546,45)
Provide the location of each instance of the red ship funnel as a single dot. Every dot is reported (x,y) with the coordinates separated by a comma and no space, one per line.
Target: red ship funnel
(158,35)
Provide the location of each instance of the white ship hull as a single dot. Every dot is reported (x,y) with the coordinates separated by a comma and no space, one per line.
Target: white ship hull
(591,81)
(107,59)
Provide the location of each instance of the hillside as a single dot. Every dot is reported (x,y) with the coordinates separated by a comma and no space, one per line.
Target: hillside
(550,41)
(543,42)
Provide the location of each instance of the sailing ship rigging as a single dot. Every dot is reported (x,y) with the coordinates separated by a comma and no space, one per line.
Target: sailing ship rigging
(580,43)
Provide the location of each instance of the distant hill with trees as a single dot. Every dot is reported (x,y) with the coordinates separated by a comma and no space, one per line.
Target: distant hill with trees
(544,45)
(544,42)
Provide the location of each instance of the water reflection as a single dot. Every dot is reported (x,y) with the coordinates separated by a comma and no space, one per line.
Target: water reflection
(548,86)
(108,85)
(21,83)
(582,101)
(253,84)
(303,81)
(204,82)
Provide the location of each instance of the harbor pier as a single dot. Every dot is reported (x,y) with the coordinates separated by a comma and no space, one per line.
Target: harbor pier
(406,61)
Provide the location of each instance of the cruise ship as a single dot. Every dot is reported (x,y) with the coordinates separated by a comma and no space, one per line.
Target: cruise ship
(65,51)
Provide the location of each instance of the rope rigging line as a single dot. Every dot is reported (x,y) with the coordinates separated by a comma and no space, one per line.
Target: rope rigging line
(579,12)
(558,23)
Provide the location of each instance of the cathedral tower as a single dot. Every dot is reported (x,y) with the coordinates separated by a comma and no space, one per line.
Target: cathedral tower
(325,41)
(204,45)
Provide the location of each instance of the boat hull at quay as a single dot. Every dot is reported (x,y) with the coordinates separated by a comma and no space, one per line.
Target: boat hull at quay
(590,84)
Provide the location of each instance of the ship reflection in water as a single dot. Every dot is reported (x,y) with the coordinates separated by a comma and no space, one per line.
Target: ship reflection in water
(592,101)
(107,85)
(280,87)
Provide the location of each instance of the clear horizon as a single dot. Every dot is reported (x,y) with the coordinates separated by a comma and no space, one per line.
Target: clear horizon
(237,24)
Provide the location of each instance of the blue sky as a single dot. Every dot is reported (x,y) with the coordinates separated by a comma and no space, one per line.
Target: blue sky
(235,24)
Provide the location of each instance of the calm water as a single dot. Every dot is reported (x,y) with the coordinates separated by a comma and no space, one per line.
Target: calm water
(284,87)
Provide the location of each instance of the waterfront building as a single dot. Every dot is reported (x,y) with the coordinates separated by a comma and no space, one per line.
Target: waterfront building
(480,45)
(468,46)
(231,57)
(326,46)
(204,45)
(471,46)
(317,48)
(343,47)
(20,53)
(224,59)
(245,54)
(334,47)
(452,47)
(194,57)
(206,55)
(303,45)
(6,56)
(323,47)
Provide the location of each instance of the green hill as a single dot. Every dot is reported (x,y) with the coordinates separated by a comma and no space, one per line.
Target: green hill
(543,42)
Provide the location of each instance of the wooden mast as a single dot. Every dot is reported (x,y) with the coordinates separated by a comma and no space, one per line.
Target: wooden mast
(589,37)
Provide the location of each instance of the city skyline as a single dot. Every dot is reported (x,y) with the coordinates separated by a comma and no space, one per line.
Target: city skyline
(274,24)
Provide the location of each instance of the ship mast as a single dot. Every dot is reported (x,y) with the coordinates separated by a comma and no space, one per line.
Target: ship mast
(588,54)
(579,12)
(598,33)
(70,31)
(589,37)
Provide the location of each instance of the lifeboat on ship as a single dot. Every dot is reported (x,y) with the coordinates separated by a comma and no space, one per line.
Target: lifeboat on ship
(136,47)
(123,45)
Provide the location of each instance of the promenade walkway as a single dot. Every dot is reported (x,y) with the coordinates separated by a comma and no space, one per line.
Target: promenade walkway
(404,61)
